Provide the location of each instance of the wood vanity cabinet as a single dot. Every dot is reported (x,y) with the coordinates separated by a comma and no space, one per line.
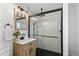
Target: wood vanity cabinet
(28,49)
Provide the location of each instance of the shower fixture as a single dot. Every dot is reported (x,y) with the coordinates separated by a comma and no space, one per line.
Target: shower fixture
(34,20)
(41,13)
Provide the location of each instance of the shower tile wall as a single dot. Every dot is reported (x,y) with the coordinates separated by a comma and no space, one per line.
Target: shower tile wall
(48,25)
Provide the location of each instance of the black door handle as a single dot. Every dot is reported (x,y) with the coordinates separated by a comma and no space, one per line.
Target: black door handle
(60,30)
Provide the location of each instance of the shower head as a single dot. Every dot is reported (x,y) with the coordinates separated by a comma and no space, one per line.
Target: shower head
(34,20)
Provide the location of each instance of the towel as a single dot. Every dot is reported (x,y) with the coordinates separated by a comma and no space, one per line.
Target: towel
(8,33)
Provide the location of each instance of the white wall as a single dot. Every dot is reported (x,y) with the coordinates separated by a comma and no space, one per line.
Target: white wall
(72,29)
(77,28)
(65,29)
(5,17)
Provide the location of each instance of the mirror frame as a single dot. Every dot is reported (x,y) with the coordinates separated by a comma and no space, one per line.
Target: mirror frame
(26,19)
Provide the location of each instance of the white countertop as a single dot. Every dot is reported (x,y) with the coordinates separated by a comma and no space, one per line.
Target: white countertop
(24,41)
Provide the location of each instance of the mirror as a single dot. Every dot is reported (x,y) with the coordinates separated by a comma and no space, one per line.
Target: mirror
(21,19)
(20,24)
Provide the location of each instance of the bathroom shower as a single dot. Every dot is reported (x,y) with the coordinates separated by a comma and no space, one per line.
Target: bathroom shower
(46,28)
(34,23)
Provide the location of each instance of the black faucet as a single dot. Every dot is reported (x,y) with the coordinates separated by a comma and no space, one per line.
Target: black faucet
(23,35)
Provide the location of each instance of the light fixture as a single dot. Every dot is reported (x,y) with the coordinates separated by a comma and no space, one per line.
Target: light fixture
(20,11)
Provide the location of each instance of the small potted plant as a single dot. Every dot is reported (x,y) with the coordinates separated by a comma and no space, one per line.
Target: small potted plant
(16,34)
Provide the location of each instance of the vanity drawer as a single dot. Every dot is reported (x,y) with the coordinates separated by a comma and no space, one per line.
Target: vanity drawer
(25,51)
(32,48)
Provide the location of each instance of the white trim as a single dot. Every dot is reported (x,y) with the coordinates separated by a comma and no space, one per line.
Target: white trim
(65,29)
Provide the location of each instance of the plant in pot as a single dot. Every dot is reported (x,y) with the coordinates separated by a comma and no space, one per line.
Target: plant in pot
(16,34)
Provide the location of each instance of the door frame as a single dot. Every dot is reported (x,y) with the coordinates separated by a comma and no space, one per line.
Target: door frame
(46,12)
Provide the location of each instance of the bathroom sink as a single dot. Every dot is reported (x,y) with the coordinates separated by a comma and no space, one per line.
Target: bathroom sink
(24,41)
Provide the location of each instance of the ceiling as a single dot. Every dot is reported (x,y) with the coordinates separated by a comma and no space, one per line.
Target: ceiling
(35,8)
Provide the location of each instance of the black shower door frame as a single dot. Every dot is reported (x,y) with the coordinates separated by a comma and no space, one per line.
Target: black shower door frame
(46,12)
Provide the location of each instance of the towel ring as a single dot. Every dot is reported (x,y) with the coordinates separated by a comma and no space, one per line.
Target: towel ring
(8,25)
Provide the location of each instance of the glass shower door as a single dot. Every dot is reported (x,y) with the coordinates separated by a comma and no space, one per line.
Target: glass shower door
(47,30)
